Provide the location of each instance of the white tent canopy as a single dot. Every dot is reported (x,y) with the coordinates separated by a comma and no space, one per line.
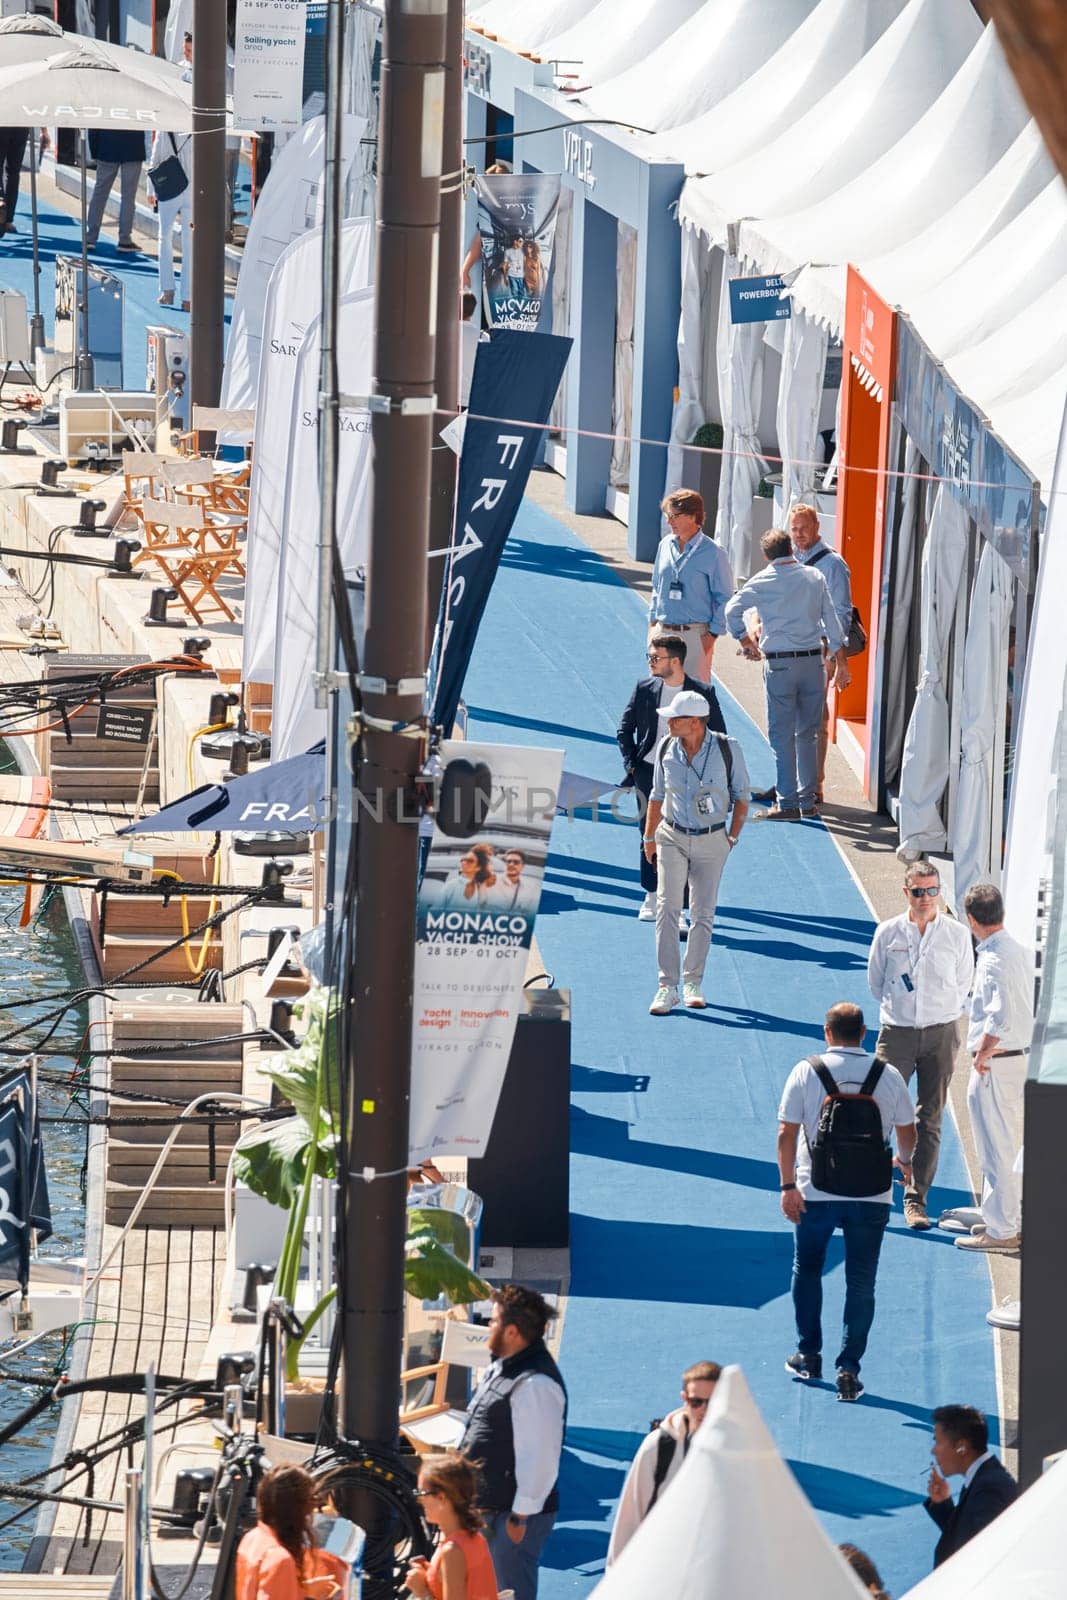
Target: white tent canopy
(1023,260)
(1021,1555)
(1029,425)
(733,1478)
(946,152)
(825,47)
(524,25)
(720,46)
(872,107)
(614,34)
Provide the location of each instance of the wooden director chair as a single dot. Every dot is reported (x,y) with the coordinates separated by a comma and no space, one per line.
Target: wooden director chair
(190,549)
(435,1425)
(238,424)
(142,474)
(199,483)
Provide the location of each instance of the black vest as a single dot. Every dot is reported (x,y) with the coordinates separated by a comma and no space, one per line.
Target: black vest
(488,1437)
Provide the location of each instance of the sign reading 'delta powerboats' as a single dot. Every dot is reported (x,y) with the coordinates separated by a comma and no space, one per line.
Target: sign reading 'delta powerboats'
(758,300)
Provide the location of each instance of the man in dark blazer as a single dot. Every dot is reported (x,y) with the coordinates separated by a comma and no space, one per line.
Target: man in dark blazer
(961,1444)
(642,728)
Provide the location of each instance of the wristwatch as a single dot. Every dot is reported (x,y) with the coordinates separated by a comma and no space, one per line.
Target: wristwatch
(731,839)
(517,1521)
(786,1187)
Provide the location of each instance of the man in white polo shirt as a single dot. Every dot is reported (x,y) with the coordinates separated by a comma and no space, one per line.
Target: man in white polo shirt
(998,1037)
(920,970)
(817,1213)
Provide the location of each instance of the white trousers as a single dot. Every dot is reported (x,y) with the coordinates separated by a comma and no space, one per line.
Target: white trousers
(697,859)
(995,1101)
(174,211)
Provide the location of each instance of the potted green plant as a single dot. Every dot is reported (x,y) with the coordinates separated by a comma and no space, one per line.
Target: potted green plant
(703,467)
(280,1160)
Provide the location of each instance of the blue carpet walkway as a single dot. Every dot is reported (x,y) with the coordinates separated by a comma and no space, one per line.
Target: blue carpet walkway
(679,1249)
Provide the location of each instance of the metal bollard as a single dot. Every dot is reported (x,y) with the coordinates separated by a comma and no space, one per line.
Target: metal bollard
(132,1584)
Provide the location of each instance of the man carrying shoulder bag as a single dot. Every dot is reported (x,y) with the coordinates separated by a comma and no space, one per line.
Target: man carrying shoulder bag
(835,1122)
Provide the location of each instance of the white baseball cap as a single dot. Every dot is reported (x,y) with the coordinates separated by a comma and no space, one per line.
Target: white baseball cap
(688,703)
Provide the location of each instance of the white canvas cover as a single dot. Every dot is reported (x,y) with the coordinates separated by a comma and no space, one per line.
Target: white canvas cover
(985,676)
(739,356)
(1021,355)
(733,1478)
(1020,1555)
(924,770)
(697,311)
(623,389)
(720,46)
(825,47)
(1033,791)
(88,87)
(613,35)
(799,405)
(872,107)
(948,150)
(1028,424)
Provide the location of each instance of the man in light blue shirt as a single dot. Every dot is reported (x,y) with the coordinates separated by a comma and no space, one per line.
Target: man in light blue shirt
(696,811)
(809,548)
(796,614)
(691,583)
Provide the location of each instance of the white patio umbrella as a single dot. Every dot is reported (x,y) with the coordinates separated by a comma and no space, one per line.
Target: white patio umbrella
(707,1538)
(89,87)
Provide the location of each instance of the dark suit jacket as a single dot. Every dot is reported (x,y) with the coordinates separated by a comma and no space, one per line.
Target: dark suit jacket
(642,725)
(992,1490)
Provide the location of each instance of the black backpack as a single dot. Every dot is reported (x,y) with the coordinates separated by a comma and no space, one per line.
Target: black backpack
(856,638)
(850,1156)
(666,1445)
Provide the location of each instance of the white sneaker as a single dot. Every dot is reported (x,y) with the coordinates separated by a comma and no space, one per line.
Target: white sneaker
(665,1001)
(961,1219)
(647,912)
(692,996)
(1007,1315)
(684,924)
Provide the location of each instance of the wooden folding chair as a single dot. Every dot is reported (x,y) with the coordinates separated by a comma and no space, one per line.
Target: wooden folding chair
(143,478)
(434,1424)
(198,483)
(189,549)
(239,424)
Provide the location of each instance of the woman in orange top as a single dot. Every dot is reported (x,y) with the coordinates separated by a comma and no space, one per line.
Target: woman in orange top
(462,1568)
(278,1558)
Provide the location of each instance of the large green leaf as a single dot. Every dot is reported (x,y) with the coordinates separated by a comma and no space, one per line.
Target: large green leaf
(307,1075)
(272,1159)
(431,1270)
(447,1227)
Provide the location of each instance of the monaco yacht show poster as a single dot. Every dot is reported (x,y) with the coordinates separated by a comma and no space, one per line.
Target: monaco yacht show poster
(476,909)
(517,223)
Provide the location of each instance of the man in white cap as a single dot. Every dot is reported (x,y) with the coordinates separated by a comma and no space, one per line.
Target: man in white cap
(697,808)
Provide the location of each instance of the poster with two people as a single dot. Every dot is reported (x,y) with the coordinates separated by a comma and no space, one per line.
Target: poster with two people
(517,225)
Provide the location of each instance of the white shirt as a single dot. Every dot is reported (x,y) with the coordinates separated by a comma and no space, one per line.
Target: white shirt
(803,1096)
(920,980)
(641,1480)
(1002,1004)
(537,1404)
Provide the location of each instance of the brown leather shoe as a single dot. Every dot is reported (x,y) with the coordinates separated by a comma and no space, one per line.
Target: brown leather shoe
(779,814)
(915,1214)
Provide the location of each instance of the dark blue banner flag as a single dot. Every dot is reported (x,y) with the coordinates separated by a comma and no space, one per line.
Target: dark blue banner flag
(516,376)
(23,1184)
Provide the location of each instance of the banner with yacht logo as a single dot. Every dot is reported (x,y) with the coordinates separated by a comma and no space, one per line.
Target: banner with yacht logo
(477,902)
(517,226)
(516,376)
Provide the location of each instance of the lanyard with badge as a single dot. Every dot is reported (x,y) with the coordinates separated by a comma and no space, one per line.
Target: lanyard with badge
(676,592)
(704,806)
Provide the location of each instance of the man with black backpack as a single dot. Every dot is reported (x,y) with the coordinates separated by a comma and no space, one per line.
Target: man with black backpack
(662,1452)
(835,1122)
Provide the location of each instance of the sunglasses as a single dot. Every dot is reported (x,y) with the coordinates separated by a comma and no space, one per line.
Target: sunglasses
(424,1494)
(917,894)
(656,655)
(695,1401)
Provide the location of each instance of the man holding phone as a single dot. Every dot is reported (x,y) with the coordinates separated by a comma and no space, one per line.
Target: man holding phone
(920,970)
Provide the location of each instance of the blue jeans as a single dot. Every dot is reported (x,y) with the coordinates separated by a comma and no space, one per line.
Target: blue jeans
(515,1565)
(863,1223)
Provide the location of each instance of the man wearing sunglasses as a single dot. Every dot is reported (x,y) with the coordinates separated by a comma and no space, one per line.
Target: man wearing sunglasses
(642,731)
(662,1452)
(920,970)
